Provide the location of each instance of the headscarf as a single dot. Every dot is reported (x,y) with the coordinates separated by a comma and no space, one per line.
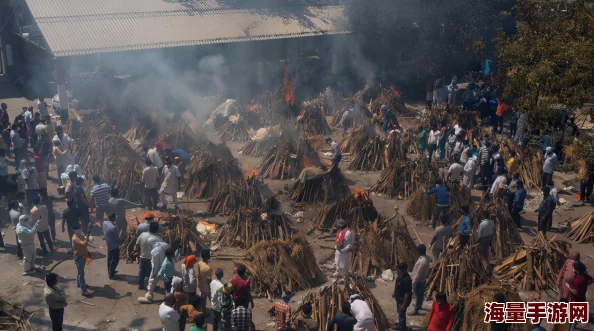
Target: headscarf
(176,282)
(190,261)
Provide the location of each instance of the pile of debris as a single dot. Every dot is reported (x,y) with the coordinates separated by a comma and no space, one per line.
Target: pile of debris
(356,209)
(404,178)
(582,229)
(372,157)
(312,123)
(458,271)
(420,206)
(356,139)
(209,170)
(317,185)
(536,266)
(13,317)
(112,158)
(236,129)
(278,266)
(247,227)
(286,159)
(261,141)
(469,309)
(327,301)
(237,194)
(391,98)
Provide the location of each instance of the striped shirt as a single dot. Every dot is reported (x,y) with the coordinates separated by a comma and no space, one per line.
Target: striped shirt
(100,194)
(484,153)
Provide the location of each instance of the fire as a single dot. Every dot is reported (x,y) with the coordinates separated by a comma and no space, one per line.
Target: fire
(357,191)
(288,88)
(394,91)
(252,174)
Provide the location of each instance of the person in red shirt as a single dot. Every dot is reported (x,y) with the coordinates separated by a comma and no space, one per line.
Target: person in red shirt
(241,287)
(502,107)
(581,281)
(441,316)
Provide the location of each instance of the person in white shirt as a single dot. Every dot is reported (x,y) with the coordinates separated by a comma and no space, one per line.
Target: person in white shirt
(484,234)
(153,154)
(362,314)
(432,141)
(169,316)
(26,234)
(470,171)
(216,289)
(344,247)
(42,107)
(499,182)
(150,177)
(171,183)
(456,170)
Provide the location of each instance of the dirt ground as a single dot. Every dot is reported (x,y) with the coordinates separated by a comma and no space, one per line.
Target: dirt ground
(114,305)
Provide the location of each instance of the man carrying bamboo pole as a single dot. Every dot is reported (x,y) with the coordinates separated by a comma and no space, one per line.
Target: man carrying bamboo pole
(344,248)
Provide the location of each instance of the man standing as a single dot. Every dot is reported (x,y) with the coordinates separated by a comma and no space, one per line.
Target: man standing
(548,166)
(433,140)
(26,235)
(443,201)
(305,322)
(100,198)
(344,247)
(168,315)
(441,316)
(545,211)
(216,289)
(171,183)
(336,152)
(119,206)
(281,311)
(344,321)
(362,313)
(113,242)
(65,143)
(441,236)
(422,142)
(14,214)
(566,275)
(42,107)
(75,191)
(241,317)
(153,154)
(456,170)
(484,234)
(204,278)
(144,245)
(465,227)
(56,301)
(419,277)
(81,253)
(518,204)
(70,217)
(402,294)
(145,227)
(29,175)
(39,212)
(242,290)
(587,183)
(150,177)
(470,171)
(485,156)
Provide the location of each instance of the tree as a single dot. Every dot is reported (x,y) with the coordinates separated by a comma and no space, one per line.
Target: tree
(549,61)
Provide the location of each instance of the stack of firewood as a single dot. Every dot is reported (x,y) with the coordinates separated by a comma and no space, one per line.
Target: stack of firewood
(261,141)
(421,206)
(459,197)
(356,139)
(274,109)
(184,138)
(397,148)
(372,157)
(312,123)
(285,160)
(391,98)
(358,112)
(536,266)
(13,317)
(315,185)
(237,194)
(327,301)
(356,209)
(236,129)
(582,229)
(403,179)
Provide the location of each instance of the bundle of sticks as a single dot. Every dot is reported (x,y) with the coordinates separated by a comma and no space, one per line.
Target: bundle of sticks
(274,109)
(391,98)
(531,162)
(261,141)
(237,194)
(458,271)
(112,158)
(184,138)
(582,229)
(13,317)
(356,139)
(327,301)
(536,266)
(397,148)
(209,170)
(469,308)
(236,129)
(372,157)
(128,246)
(358,112)
(356,209)
(392,181)
(180,231)
(271,204)
(143,129)
(278,266)
(247,227)
(80,128)
(420,206)
(316,185)
(312,123)
(459,196)
(285,160)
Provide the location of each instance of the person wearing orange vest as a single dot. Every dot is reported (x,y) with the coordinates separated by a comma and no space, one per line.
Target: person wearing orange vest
(344,248)
(502,107)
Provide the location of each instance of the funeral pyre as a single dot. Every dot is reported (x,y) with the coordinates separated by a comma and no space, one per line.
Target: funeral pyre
(317,185)
(237,194)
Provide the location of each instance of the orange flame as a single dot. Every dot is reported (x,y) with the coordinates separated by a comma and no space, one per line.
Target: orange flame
(394,91)
(358,191)
(252,174)
(288,87)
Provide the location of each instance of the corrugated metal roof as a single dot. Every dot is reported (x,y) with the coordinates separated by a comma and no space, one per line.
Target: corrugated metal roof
(77,27)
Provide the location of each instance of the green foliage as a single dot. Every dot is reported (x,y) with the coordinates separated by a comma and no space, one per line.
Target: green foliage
(550,59)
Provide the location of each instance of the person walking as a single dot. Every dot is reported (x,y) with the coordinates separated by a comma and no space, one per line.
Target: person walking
(470,171)
(56,301)
(150,178)
(343,252)
(168,315)
(119,206)
(465,229)
(403,294)
(344,321)
(204,278)
(441,236)
(70,217)
(26,234)
(518,203)
(29,175)
(216,289)
(39,213)
(158,256)
(419,276)
(566,275)
(189,277)
(144,245)
(241,317)
(100,198)
(81,253)
(113,242)
(171,183)
(545,211)
(432,141)
(443,201)
(281,311)
(167,271)
(484,234)
(362,313)
(548,167)
(336,152)
(241,287)
(441,316)
(14,215)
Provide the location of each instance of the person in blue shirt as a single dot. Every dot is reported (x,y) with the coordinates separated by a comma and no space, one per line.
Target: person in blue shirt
(387,117)
(443,201)
(545,140)
(518,205)
(465,227)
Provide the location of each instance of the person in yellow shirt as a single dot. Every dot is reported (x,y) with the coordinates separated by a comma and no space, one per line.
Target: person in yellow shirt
(512,164)
(80,252)
(204,276)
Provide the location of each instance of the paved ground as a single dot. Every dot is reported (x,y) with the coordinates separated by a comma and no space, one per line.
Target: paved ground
(115,307)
